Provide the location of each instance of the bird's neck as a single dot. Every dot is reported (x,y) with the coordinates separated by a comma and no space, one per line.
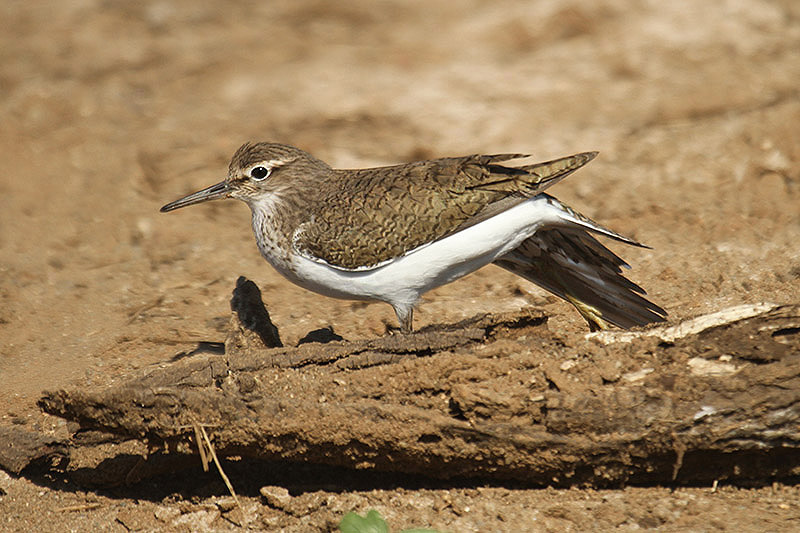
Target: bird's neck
(278,215)
(273,227)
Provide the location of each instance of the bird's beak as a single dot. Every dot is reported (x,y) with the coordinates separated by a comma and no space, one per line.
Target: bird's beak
(215,192)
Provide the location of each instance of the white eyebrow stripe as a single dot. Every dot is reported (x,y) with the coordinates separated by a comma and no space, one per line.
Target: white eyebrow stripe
(271,164)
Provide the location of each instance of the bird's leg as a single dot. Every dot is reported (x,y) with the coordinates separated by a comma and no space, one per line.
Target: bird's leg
(592,315)
(407,324)
(406,317)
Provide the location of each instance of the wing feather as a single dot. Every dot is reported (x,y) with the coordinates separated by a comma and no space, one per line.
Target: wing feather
(376,215)
(572,264)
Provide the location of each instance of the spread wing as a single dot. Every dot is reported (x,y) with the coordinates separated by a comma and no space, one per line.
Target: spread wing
(569,262)
(375,215)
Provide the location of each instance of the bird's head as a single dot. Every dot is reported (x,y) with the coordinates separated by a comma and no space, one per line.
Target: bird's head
(257,171)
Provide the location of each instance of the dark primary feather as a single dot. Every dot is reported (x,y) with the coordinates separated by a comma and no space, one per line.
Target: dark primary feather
(575,266)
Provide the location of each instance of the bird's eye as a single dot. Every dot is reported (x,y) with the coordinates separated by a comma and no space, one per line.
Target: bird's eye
(259,173)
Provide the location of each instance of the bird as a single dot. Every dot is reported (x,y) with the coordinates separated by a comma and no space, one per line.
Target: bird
(392,233)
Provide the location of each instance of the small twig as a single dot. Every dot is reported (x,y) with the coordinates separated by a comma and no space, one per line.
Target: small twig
(201,447)
(680,451)
(221,472)
(79,507)
(133,316)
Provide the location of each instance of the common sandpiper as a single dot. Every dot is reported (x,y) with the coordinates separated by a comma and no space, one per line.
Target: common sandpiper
(393,233)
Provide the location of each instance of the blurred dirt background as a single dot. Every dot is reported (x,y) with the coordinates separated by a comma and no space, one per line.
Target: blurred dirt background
(110,109)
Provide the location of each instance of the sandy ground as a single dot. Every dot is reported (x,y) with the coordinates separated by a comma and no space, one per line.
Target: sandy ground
(111,109)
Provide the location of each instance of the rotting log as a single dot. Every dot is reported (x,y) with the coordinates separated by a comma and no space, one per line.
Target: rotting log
(498,397)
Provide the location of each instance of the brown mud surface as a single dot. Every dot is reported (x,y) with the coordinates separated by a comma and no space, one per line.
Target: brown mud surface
(111,109)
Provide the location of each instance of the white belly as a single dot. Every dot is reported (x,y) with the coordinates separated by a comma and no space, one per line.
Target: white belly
(403,280)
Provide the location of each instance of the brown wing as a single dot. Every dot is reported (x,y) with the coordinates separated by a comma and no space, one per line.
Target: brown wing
(379,214)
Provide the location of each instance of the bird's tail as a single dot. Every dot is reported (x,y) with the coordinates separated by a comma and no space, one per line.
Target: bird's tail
(569,262)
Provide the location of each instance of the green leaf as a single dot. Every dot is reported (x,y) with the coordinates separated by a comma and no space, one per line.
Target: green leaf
(372,523)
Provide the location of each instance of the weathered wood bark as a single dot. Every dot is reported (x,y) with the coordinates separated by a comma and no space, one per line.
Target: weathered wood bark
(497,397)
(19,448)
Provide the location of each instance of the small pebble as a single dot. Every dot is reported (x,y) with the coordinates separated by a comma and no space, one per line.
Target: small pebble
(276,497)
